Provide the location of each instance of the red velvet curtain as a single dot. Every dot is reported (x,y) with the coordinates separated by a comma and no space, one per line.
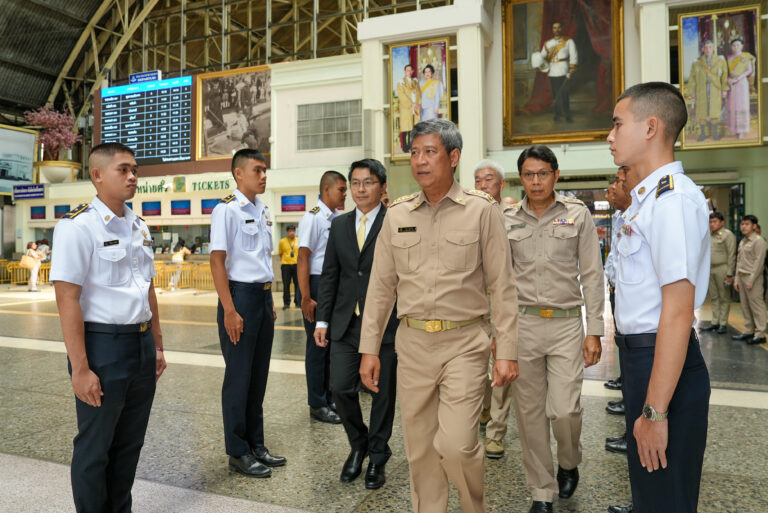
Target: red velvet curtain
(597,18)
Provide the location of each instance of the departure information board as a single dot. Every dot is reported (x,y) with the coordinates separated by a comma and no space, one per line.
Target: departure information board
(153,118)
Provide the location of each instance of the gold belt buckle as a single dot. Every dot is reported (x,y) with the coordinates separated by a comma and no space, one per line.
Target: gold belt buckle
(433,326)
(547,313)
(267,286)
(143,327)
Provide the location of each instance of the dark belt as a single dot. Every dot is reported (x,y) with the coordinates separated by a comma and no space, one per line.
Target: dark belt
(642,340)
(255,285)
(97,327)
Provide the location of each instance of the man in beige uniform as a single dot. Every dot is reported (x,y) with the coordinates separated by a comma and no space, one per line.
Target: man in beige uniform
(556,254)
(749,281)
(723,261)
(436,252)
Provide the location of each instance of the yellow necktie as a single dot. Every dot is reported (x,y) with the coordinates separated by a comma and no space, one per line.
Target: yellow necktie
(360,242)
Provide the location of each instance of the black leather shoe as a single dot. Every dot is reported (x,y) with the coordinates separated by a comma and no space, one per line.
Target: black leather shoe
(614,403)
(567,481)
(620,509)
(619,446)
(262,454)
(756,340)
(325,414)
(248,465)
(540,507)
(616,409)
(709,327)
(285,307)
(375,476)
(332,405)
(722,329)
(613,384)
(353,466)
(742,336)
(615,438)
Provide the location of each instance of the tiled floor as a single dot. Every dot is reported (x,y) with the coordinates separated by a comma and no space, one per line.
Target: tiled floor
(183,460)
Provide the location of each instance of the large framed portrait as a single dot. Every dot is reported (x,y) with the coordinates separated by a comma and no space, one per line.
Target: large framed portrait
(719,56)
(17,157)
(233,112)
(563,63)
(420,89)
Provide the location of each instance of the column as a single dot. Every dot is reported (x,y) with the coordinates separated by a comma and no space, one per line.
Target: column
(376,130)
(654,50)
(470,55)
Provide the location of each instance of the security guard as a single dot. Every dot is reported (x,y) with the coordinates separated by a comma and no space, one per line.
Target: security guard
(556,255)
(241,264)
(314,229)
(663,271)
(102,272)
(723,255)
(749,281)
(435,253)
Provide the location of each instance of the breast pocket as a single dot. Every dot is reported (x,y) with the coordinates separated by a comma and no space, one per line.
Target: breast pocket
(249,236)
(405,250)
(462,250)
(521,244)
(112,266)
(630,270)
(148,262)
(563,244)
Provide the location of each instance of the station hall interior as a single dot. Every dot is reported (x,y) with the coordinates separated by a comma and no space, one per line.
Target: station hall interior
(313,84)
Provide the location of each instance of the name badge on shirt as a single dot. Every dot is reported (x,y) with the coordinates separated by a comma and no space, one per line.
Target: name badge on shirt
(516,226)
(564,222)
(111,242)
(250,221)
(406,229)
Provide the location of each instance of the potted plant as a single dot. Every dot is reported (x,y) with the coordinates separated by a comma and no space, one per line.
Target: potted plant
(57,134)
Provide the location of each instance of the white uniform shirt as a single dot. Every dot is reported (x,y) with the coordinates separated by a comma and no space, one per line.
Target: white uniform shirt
(314,229)
(665,239)
(565,58)
(610,261)
(244,230)
(111,258)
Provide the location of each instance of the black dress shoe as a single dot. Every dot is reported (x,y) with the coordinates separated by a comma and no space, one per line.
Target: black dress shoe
(756,340)
(619,446)
(613,384)
(616,409)
(710,327)
(722,329)
(742,336)
(540,507)
(353,466)
(615,438)
(620,509)
(248,465)
(614,403)
(567,481)
(332,405)
(285,307)
(375,476)
(262,454)
(325,414)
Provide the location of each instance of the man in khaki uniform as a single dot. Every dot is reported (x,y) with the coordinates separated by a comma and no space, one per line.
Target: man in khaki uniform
(409,105)
(749,281)
(437,251)
(723,261)
(556,254)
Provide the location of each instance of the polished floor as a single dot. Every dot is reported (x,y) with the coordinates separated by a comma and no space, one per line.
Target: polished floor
(183,467)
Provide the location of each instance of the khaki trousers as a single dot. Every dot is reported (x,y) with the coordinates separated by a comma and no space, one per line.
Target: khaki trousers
(719,296)
(551,365)
(753,306)
(501,402)
(440,383)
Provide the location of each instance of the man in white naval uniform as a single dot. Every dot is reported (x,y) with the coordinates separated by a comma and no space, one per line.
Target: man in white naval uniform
(560,59)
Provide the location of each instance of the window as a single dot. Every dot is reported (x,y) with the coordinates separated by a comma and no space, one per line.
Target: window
(330,125)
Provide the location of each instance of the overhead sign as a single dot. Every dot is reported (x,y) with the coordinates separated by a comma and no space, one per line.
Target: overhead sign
(145,76)
(31,191)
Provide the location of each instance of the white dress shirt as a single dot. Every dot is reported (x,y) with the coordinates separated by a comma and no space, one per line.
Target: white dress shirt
(617,221)
(314,229)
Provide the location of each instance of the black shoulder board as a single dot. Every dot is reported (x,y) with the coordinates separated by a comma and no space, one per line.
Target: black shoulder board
(228,198)
(665,184)
(315,210)
(82,207)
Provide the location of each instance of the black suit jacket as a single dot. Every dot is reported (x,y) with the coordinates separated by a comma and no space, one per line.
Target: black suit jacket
(346,271)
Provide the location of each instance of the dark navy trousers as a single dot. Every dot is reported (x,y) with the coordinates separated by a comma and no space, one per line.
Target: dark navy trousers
(676,488)
(247,367)
(109,437)
(317,360)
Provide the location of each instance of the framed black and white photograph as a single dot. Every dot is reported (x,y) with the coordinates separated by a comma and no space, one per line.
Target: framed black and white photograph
(17,157)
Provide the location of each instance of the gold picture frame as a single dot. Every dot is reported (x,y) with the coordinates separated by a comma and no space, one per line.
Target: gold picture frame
(430,61)
(233,111)
(590,82)
(711,58)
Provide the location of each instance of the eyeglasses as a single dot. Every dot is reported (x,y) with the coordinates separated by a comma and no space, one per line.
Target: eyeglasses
(365,184)
(541,175)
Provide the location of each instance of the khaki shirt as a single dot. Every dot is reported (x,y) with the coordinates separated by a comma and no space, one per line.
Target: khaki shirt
(723,249)
(437,262)
(751,257)
(549,253)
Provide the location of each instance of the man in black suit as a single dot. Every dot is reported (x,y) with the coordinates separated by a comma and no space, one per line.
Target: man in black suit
(343,285)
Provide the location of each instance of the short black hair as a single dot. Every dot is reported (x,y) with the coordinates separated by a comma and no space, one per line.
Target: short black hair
(658,99)
(330,178)
(740,40)
(377,169)
(431,68)
(749,217)
(409,65)
(716,215)
(239,158)
(108,150)
(290,227)
(537,151)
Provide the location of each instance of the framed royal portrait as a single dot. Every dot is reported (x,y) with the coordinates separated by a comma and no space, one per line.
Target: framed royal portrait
(563,64)
(719,59)
(233,112)
(420,89)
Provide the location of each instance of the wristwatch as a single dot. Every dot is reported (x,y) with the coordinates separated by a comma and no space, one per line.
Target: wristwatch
(650,413)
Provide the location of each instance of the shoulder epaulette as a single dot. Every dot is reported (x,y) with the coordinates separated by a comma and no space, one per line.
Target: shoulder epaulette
(514,207)
(574,200)
(402,199)
(228,198)
(481,194)
(665,184)
(315,210)
(82,207)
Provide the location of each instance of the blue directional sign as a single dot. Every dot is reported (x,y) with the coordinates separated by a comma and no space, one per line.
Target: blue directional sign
(145,76)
